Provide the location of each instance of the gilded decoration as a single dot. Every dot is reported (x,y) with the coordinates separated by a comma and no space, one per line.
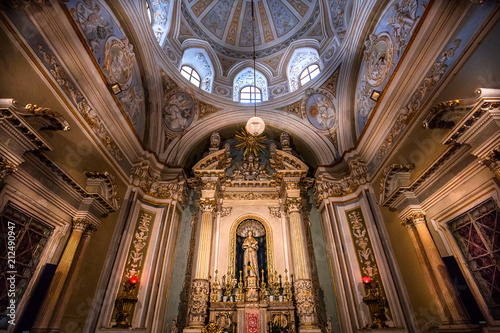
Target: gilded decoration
(257,227)
(48,118)
(386,180)
(250,144)
(363,248)
(305,302)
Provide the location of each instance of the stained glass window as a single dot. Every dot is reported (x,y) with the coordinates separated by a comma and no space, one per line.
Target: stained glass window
(477,233)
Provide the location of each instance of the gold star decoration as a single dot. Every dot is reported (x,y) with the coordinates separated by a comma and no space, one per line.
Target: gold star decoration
(249,143)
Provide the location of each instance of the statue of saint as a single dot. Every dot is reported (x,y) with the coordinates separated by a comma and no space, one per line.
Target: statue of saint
(250,264)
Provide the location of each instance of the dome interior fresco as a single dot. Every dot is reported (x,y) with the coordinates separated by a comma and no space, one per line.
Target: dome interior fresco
(227,24)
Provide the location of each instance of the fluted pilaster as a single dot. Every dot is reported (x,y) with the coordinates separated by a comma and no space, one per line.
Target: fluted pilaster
(428,250)
(52,297)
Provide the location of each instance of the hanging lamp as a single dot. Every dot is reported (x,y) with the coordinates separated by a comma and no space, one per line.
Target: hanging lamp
(255,125)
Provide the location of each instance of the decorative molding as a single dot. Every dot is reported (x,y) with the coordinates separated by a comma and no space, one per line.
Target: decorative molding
(82,106)
(293,205)
(492,161)
(389,180)
(208,205)
(406,115)
(148,180)
(205,109)
(326,187)
(103,184)
(22,4)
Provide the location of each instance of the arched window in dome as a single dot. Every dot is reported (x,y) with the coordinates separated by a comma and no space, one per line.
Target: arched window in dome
(244,79)
(250,94)
(158,12)
(308,74)
(300,61)
(191,75)
(198,59)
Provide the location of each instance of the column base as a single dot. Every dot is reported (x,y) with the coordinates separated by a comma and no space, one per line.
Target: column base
(192,329)
(309,329)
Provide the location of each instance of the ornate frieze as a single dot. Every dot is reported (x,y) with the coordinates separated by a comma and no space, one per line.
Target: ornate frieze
(305,302)
(326,187)
(148,180)
(205,109)
(330,84)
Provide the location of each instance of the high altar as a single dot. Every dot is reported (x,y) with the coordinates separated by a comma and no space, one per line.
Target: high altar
(251,266)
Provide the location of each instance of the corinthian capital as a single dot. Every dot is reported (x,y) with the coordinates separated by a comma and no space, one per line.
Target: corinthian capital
(412,219)
(6,168)
(80,224)
(293,205)
(492,161)
(208,205)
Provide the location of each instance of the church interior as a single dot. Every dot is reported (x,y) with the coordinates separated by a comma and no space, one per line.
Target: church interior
(245,166)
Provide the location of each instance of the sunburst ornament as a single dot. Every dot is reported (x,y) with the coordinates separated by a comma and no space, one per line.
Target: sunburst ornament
(250,144)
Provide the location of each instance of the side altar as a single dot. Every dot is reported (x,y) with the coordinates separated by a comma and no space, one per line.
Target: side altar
(251,226)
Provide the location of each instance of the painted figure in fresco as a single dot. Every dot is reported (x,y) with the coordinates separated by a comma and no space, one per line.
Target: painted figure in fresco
(251,266)
(324,114)
(178,113)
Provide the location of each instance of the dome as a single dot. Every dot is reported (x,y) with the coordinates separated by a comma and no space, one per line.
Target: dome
(227,24)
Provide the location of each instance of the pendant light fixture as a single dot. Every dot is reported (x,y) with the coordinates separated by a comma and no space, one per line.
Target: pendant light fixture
(255,125)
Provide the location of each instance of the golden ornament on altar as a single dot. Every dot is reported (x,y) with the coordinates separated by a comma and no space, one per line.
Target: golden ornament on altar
(249,143)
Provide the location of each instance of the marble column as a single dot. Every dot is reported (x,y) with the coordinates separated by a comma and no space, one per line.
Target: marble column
(198,303)
(52,297)
(55,323)
(302,276)
(455,311)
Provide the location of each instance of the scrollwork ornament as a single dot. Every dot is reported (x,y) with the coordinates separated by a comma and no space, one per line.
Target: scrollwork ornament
(198,302)
(305,302)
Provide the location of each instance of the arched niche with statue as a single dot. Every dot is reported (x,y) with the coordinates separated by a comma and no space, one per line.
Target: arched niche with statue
(262,233)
